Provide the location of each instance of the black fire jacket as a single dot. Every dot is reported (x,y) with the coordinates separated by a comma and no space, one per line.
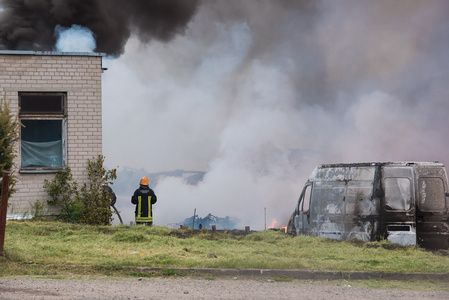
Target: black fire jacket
(144,198)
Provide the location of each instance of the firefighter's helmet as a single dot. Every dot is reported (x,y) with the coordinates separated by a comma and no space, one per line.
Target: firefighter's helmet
(144,181)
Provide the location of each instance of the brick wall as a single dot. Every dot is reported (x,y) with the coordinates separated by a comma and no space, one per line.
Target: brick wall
(78,75)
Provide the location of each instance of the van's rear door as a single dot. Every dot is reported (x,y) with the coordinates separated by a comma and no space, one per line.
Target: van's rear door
(432,212)
(398,206)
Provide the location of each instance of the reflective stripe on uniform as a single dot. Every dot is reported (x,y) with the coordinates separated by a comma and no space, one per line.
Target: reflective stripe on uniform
(139,217)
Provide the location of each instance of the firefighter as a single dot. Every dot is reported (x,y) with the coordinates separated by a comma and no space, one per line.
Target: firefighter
(109,194)
(144,198)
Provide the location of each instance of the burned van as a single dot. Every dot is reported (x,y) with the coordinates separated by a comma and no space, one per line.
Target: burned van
(403,202)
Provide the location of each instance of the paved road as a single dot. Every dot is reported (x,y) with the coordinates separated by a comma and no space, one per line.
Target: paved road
(196,288)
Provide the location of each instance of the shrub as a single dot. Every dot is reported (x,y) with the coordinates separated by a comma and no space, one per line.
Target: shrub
(63,191)
(90,205)
(9,135)
(95,200)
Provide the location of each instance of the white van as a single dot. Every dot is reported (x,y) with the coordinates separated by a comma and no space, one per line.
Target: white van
(403,202)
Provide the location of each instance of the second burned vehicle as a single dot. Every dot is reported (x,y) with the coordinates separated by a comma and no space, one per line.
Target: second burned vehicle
(403,202)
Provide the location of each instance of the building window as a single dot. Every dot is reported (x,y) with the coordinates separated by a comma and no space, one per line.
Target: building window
(43,135)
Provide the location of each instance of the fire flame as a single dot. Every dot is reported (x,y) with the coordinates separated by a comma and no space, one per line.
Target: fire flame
(282,228)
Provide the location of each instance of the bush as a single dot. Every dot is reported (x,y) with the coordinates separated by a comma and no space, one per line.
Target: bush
(91,204)
(95,199)
(63,191)
(9,135)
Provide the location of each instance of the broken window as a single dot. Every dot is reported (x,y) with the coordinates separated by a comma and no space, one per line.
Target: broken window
(42,138)
(328,197)
(305,198)
(431,194)
(397,193)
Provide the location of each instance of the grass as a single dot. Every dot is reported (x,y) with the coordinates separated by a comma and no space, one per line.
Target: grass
(52,248)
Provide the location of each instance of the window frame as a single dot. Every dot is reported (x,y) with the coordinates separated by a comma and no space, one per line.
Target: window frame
(59,115)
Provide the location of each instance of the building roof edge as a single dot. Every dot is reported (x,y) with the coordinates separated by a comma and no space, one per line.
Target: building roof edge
(55,53)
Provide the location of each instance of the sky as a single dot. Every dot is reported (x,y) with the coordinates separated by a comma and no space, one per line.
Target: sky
(258,92)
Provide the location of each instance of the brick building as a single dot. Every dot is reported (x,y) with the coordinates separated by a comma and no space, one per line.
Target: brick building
(59,95)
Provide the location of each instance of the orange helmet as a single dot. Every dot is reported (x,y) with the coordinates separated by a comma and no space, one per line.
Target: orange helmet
(144,181)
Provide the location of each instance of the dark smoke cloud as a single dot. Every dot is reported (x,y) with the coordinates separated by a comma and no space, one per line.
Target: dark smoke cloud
(30,24)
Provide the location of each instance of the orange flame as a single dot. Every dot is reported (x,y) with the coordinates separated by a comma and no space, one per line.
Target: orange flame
(273,224)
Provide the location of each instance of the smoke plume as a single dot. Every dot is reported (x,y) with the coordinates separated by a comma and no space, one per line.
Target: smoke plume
(74,39)
(260,92)
(30,24)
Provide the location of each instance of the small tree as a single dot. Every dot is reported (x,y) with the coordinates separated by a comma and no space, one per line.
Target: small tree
(9,135)
(94,197)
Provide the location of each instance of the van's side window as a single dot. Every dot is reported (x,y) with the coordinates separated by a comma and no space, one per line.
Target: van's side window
(431,194)
(304,201)
(397,193)
(307,195)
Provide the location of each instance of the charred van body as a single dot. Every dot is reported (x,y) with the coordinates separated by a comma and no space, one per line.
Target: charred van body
(403,202)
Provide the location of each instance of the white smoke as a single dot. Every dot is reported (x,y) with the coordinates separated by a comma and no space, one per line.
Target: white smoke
(260,92)
(74,39)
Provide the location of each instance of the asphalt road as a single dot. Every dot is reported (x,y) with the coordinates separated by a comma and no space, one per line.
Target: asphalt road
(197,288)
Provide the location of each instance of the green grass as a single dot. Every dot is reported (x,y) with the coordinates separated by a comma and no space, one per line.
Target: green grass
(49,248)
